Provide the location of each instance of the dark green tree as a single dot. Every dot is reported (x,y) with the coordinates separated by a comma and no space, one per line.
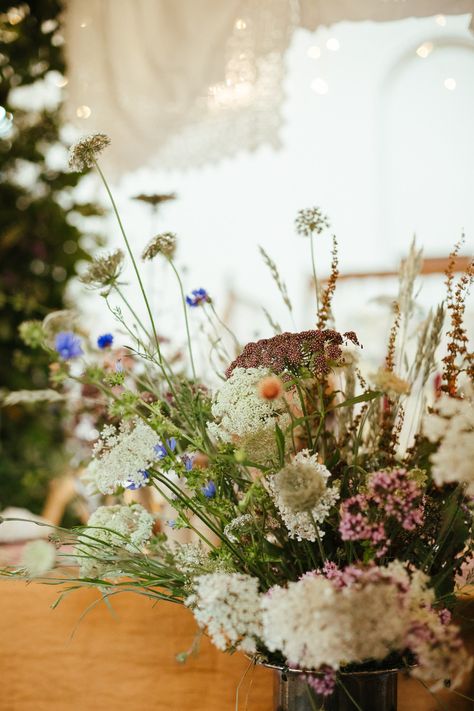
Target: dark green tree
(40,245)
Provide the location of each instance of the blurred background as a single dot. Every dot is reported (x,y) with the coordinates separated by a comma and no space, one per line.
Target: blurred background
(225,119)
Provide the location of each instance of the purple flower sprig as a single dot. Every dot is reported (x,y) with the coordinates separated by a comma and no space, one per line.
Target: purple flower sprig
(197,298)
(68,345)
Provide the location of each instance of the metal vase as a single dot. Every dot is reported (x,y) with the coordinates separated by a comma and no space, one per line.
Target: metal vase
(356,691)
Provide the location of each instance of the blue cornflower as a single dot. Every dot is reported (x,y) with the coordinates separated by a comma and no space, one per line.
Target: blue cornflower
(209,490)
(105,340)
(171,523)
(68,345)
(187,461)
(163,451)
(198,297)
(139,484)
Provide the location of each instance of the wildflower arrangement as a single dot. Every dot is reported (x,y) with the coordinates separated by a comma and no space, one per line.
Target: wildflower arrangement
(332,531)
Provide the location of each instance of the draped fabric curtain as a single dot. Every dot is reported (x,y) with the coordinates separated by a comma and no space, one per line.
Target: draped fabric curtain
(179,83)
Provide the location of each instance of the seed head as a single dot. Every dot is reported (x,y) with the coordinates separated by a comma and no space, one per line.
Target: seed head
(83,154)
(311,221)
(164,243)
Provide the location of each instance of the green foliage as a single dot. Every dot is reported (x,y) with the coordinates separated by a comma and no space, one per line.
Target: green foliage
(39,247)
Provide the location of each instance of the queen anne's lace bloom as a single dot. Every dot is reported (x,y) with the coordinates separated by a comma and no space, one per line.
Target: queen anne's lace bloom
(121,456)
(84,153)
(335,617)
(164,243)
(238,527)
(110,530)
(128,526)
(314,624)
(452,425)
(246,419)
(38,557)
(227,606)
(302,495)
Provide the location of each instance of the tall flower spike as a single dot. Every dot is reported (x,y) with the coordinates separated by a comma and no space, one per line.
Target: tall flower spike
(83,154)
(164,244)
(311,221)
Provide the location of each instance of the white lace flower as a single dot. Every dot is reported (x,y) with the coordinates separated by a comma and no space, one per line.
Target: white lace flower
(237,526)
(121,456)
(227,606)
(190,557)
(302,496)
(452,425)
(111,529)
(245,418)
(313,623)
(38,557)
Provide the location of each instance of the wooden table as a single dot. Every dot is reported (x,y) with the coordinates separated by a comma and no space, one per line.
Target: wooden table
(50,660)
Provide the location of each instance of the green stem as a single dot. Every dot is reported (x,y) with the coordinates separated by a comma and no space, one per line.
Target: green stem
(129,249)
(315,277)
(130,308)
(229,330)
(188,334)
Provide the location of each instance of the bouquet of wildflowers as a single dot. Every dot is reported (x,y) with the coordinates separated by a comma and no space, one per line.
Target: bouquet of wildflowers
(332,530)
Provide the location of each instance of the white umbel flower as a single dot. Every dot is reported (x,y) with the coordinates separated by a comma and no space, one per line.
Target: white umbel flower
(302,496)
(313,623)
(38,558)
(227,606)
(246,419)
(111,530)
(121,456)
(452,425)
(133,524)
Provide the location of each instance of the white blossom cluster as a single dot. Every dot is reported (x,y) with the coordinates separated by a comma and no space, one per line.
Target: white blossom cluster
(452,425)
(190,557)
(121,456)
(38,557)
(302,496)
(363,614)
(246,419)
(227,606)
(109,528)
(439,650)
(314,624)
(237,526)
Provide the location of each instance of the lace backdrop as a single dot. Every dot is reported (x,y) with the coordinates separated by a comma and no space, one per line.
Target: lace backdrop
(179,83)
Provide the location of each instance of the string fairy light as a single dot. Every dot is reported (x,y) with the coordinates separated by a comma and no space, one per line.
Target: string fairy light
(425,49)
(450,83)
(6,122)
(320,86)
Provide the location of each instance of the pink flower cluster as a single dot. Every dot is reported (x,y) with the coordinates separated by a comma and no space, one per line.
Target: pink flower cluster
(390,495)
(324,684)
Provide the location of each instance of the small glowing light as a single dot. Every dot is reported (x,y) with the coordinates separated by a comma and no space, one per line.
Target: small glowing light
(83,111)
(15,15)
(6,123)
(83,25)
(440,20)
(320,86)
(314,52)
(61,81)
(59,273)
(425,49)
(450,84)
(333,44)
(240,24)
(48,26)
